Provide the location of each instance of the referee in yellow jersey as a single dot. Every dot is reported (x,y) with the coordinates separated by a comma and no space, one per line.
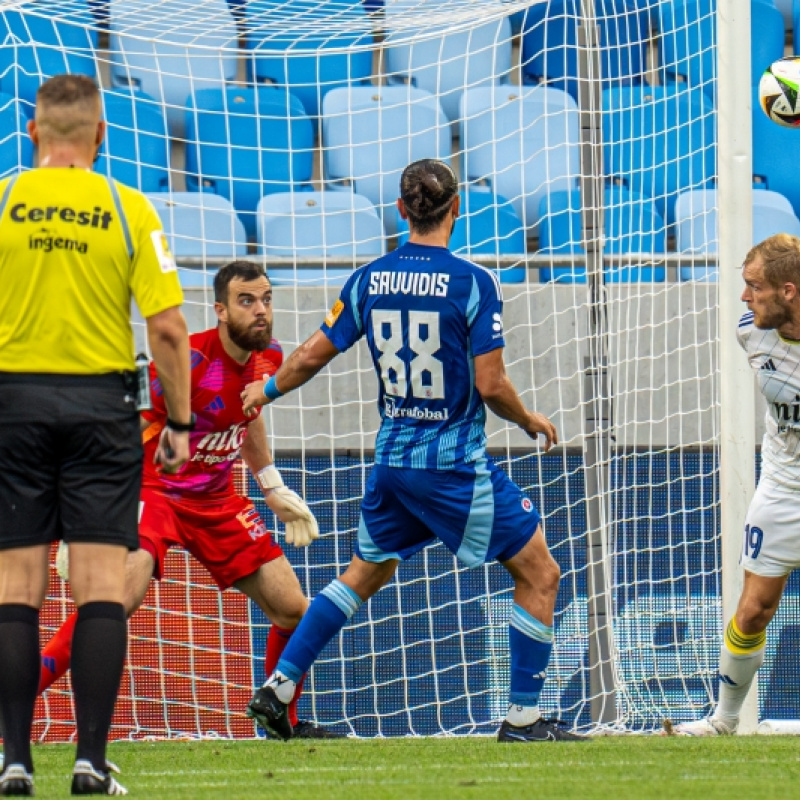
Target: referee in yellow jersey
(75,247)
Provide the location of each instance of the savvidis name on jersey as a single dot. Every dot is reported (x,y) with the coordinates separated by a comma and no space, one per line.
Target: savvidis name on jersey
(431,284)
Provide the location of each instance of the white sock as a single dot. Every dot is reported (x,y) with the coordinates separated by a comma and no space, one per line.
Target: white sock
(736,675)
(284,687)
(522,715)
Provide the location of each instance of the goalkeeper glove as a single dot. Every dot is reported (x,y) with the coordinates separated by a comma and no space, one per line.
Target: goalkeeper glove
(62,560)
(288,507)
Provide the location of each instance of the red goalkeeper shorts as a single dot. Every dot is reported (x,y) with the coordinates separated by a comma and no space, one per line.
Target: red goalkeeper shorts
(224,533)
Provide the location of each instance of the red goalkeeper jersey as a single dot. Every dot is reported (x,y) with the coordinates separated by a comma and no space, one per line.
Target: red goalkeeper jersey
(217,383)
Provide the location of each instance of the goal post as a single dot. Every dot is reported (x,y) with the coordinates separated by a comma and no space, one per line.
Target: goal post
(737,402)
(606,177)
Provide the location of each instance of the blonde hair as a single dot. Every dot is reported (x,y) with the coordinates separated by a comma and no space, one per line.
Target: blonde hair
(780,255)
(68,108)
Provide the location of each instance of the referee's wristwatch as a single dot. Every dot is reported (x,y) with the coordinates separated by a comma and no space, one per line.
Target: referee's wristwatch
(182,427)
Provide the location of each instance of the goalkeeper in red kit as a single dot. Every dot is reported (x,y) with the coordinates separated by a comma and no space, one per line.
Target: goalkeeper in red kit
(198,508)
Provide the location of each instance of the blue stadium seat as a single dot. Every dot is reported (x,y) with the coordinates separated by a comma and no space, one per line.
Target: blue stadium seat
(631,225)
(487,225)
(445,62)
(659,141)
(36,44)
(318,225)
(296,58)
(688,39)
(171,50)
(550,36)
(775,162)
(521,142)
(136,147)
(199,226)
(243,143)
(16,148)
(696,225)
(371,133)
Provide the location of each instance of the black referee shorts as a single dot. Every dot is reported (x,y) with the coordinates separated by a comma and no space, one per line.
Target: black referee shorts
(70,460)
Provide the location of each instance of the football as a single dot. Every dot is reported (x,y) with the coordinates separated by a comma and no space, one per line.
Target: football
(777,91)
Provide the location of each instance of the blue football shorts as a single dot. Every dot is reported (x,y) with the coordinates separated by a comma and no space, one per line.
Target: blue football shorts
(478,512)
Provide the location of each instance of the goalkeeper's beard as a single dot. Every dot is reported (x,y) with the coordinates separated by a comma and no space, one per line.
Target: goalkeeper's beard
(250,338)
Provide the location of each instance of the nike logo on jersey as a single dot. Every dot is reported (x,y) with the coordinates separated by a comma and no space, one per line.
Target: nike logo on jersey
(769,365)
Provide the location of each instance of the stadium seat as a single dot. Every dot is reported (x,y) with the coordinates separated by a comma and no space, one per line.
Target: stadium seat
(659,141)
(775,162)
(318,225)
(371,133)
(292,51)
(136,147)
(35,45)
(16,148)
(521,142)
(688,40)
(445,61)
(550,37)
(487,225)
(243,143)
(199,226)
(171,49)
(696,214)
(631,225)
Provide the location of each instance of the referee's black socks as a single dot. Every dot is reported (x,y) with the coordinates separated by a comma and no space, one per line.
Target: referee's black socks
(19,668)
(98,657)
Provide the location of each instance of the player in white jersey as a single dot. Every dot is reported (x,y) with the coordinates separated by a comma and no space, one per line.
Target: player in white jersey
(770,334)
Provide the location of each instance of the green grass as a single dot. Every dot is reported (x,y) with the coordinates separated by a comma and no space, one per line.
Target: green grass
(757,767)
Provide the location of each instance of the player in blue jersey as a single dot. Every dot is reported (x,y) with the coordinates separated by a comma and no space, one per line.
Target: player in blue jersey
(434,327)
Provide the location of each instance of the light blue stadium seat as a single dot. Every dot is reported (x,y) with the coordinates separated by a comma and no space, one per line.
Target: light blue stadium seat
(243,143)
(688,38)
(659,141)
(696,219)
(550,36)
(371,133)
(199,226)
(447,59)
(136,147)
(36,44)
(330,46)
(318,225)
(631,225)
(16,148)
(171,49)
(775,162)
(521,142)
(486,225)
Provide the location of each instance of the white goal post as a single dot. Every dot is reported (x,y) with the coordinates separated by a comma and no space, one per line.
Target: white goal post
(608,183)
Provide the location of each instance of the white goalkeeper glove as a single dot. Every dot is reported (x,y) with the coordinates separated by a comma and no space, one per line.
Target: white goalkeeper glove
(62,560)
(288,507)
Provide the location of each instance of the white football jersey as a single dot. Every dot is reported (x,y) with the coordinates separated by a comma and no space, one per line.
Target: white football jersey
(776,362)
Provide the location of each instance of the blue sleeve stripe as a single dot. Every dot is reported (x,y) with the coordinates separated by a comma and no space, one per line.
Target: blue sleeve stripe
(354,304)
(529,625)
(343,597)
(472,303)
(6,195)
(122,219)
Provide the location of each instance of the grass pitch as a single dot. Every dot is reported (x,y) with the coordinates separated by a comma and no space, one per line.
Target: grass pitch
(610,768)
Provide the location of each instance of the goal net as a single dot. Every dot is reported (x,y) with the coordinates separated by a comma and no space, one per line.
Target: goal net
(584,138)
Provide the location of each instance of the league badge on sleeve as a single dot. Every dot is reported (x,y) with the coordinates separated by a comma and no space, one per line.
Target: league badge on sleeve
(163,253)
(333,314)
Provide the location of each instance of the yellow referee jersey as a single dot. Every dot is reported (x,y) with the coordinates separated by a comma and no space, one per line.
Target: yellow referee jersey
(74,248)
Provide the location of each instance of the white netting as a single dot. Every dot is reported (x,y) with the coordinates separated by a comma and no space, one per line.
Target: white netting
(576,145)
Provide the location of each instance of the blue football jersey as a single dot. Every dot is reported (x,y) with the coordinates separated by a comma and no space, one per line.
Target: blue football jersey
(426,315)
